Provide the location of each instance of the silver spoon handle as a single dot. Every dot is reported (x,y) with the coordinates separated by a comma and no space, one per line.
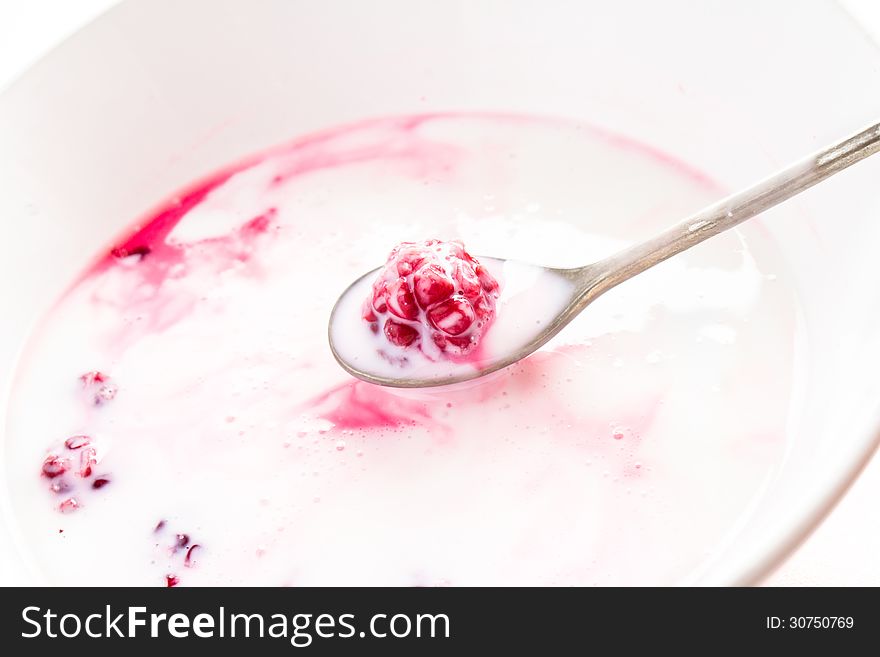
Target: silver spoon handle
(732,210)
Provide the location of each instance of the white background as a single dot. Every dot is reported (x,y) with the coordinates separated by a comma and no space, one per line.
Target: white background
(844,551)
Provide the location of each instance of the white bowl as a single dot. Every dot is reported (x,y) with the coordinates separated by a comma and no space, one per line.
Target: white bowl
(156,93)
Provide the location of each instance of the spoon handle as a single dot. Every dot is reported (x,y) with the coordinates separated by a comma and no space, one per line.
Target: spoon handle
(730,211)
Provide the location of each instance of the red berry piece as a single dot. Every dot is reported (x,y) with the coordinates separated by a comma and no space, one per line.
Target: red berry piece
(69,505)
(99,387)
(55,466)
(77,442)
(171,581)
(452,317)
(105,393)
(486,281)
(401,301)
(189,561)
(399,334)
(432,285)
(100,482)
(462,344)
(59,486)
(93,377)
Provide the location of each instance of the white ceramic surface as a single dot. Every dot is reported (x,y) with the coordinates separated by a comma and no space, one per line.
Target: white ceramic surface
(157,93)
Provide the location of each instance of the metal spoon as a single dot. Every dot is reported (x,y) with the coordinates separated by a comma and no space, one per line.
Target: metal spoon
(532,309)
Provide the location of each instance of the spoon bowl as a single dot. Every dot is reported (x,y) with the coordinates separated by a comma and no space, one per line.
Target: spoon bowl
(531,309)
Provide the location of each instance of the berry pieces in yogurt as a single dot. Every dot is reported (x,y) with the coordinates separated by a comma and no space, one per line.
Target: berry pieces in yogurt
(70,471)
(432,296)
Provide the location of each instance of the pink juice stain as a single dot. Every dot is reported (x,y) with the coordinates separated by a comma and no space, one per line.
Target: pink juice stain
(363,406)
(232,385)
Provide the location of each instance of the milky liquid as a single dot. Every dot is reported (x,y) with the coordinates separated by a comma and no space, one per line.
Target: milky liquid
(625,452)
